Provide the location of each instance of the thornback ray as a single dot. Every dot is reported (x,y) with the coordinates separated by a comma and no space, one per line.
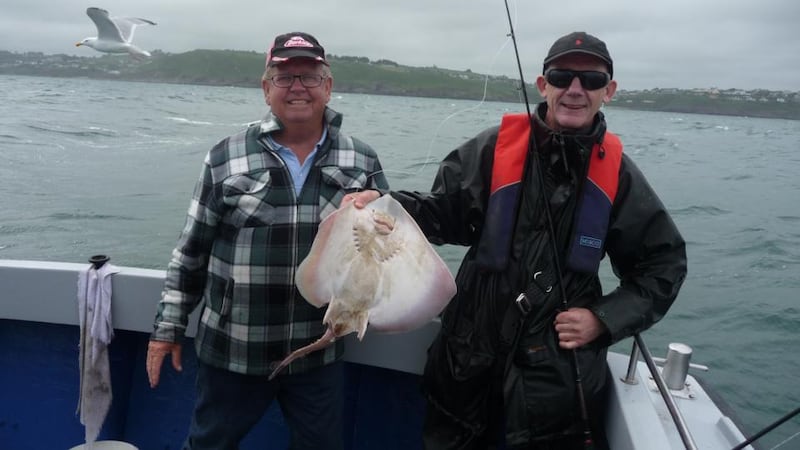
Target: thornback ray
(371,266)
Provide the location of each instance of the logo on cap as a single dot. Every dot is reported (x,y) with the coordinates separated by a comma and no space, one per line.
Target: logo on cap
(297,41)
(295,45)
(578,42)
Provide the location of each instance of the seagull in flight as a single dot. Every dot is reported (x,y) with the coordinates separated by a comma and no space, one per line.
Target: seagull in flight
(114,34)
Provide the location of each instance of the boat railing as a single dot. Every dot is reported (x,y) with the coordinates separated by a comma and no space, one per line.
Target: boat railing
(639,347)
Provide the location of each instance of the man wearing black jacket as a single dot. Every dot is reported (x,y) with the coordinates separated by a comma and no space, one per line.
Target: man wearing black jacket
(540,200)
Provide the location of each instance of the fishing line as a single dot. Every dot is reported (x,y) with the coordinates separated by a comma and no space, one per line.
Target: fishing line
(786,440)
(588,441)
(429,154)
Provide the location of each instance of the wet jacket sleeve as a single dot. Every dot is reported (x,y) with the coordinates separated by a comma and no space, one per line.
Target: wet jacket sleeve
(453,212)
(647,254)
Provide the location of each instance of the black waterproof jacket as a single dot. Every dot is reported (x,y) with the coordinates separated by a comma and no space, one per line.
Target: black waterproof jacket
(476,373)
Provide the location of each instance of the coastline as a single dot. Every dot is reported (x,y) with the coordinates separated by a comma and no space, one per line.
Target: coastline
(384,77)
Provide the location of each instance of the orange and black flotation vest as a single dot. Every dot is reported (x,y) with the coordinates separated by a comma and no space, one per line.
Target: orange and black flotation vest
(590,225)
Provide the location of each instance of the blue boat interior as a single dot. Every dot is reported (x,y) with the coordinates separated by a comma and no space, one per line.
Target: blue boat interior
(39,390)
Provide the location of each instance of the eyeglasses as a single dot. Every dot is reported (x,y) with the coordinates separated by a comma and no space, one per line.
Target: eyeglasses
(309,80)
(590,79)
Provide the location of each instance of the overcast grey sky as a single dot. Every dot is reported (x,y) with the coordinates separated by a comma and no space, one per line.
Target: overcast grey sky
(678,43)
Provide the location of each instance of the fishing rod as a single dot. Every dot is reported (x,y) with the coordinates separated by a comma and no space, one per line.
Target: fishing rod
(767,429)
(519,63)
(588,441)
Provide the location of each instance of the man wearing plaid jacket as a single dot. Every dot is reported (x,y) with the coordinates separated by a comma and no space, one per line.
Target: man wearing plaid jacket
(253,216)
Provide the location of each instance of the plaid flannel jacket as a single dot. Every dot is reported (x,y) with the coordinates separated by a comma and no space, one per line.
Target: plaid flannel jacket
(246,232)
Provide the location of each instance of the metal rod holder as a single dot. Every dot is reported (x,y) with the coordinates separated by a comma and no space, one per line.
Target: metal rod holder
(676,367)
(98,260)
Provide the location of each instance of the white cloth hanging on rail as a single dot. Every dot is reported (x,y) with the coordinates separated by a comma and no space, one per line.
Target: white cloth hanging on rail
(94,311)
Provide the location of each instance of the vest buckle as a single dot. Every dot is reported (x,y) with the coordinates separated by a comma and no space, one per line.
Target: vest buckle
(523,304)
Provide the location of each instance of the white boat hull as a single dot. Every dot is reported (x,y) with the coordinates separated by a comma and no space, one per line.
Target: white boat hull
(45,293)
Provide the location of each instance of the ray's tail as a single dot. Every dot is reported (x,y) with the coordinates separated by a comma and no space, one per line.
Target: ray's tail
(326,340)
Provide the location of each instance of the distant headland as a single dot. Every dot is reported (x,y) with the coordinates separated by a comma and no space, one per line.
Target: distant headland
(384,77)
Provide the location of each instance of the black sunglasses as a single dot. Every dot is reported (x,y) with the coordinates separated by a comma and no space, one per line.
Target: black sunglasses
(590,79)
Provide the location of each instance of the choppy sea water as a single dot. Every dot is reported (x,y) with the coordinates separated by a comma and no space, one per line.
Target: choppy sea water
(108,167)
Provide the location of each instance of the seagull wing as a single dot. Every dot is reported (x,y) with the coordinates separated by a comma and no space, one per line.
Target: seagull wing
(106,29)
(127,25)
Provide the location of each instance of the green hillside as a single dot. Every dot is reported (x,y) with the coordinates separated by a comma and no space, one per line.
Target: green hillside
(360,75)
(238,68)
